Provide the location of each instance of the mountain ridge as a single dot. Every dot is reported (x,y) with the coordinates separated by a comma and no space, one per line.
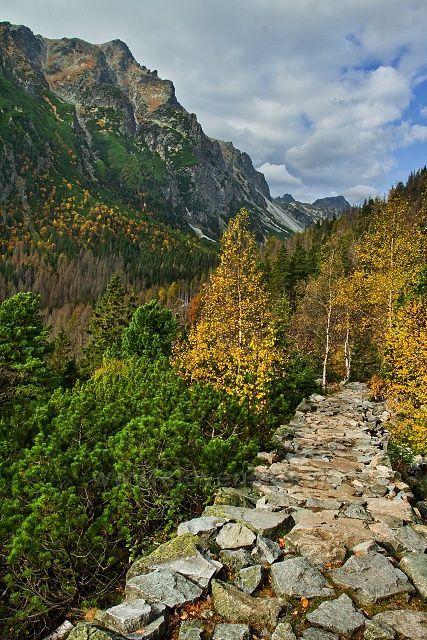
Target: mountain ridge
(131,136)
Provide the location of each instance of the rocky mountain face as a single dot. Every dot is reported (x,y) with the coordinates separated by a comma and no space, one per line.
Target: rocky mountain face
(90,113)
(304,214)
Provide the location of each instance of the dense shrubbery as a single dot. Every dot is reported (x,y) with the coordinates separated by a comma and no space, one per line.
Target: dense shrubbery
(91,475)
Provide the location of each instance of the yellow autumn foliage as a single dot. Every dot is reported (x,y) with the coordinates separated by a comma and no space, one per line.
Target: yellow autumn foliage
(232,345)
(406,361)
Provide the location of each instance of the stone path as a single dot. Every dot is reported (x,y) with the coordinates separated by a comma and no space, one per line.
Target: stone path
(324,546)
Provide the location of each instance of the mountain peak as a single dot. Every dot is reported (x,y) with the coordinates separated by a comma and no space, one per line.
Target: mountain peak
(285,199)
(127,133)
(338,203)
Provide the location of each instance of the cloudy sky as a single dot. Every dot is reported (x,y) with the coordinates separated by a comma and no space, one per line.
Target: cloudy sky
(327,96)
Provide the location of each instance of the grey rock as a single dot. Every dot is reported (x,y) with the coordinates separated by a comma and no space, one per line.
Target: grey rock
(190,630)
(283,631)
(415,566)
(316,397)
(369,546)
(373,578)
(62,632)
(238,607)
(231,632)
(394,512)
(322,503)
(129,616)
(318,634)
(411,625)
(204,525)
(235,536)
(156,630)
(266,551)
(182,555)
(340,616)
(298,577)
(236,560)
(378,631)
(356,511)
(406,540)
(249,579)
(87,631)
(163,585)
(259,520)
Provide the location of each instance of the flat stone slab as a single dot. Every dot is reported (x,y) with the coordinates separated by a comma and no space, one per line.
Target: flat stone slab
(375,630)
(415,566)
(205,524)
(127,617)
(259,520)
(298,577)
(394,512)
(324,537)
(249,579)
(356,511)
(401,540)
(231,632)
(163,585)
(340,616)
(283,631)
(266,551)
(411,625)
(181,555)
(156,630)
(234,536)
(238,607)
(373,578)
(190,630)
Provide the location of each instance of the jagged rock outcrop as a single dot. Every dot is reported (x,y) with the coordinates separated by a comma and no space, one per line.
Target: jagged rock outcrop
(305,214)
(124,131)
(332,520)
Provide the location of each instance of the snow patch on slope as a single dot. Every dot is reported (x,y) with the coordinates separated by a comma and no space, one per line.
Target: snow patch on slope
(199,233)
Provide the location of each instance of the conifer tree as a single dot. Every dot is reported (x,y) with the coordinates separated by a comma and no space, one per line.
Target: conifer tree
(233,343)
(151,332)
(24,348)
(110,317)
(62,361)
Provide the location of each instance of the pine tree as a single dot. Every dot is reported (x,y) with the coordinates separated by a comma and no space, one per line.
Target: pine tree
(151,332)
(233,343)
(110,317)
(62,361)
(24,348)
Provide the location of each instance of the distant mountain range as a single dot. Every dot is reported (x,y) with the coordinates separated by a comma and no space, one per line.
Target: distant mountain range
(94,116)
(300,215)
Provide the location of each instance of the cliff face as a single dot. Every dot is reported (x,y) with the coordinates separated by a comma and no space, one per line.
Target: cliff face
(128,133)
(124,132)
(305,214)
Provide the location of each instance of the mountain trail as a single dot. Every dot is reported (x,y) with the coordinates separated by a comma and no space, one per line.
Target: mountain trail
(325,545)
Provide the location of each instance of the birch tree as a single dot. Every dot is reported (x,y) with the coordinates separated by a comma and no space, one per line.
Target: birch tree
(233,343)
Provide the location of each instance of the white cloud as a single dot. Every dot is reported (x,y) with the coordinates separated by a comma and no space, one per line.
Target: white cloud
(359,193)
(321,87)
(277,174)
